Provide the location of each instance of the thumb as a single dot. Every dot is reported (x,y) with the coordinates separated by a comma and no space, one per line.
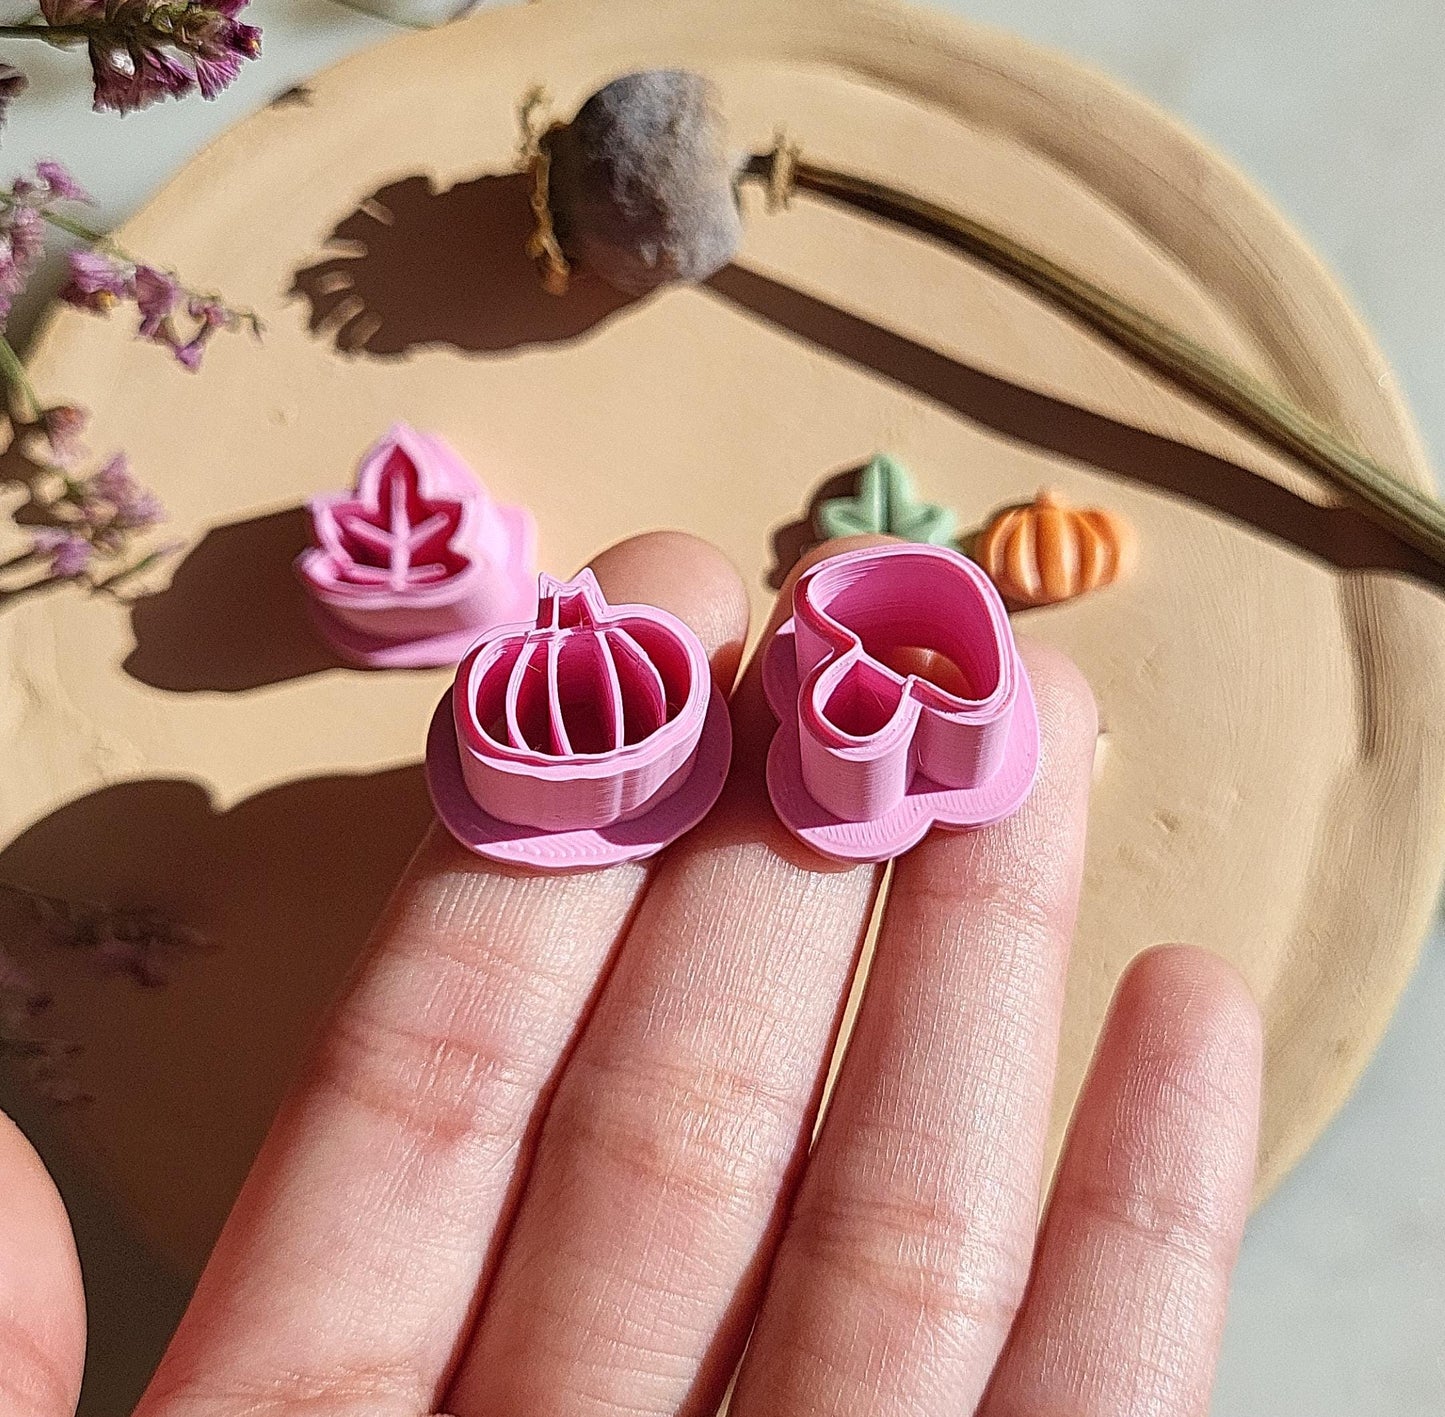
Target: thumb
(42,1304)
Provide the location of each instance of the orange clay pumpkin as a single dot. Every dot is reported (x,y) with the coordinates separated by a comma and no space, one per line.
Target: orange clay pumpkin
(1047,551)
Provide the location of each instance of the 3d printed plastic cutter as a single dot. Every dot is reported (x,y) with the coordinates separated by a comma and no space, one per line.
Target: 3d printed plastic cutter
(867,755)
(410,567)
(594,735)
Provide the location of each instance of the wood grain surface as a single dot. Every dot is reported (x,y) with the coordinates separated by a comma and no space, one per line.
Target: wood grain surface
(1271,776)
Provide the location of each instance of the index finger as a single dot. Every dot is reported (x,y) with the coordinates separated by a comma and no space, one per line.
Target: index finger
(354,1258)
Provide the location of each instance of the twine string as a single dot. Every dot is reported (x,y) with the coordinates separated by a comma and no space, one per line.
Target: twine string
(543,246)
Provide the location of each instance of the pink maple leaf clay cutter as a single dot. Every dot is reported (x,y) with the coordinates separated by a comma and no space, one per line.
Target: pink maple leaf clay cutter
(592,736)
(868,756)
(410,567)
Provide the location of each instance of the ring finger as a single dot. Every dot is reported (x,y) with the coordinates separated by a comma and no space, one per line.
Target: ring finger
(909,1244)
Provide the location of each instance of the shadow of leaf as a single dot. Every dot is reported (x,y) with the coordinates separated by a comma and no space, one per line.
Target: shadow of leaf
(234,615)
(793,540)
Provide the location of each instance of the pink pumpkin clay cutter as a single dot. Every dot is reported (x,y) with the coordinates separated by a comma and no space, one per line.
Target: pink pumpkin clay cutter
(410,567)
(592,736)
(867,755)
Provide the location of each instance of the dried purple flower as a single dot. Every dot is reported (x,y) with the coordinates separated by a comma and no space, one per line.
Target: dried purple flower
(211,312)
(59,184)
(130,78)
(75,521)
(97,281)
(144,50)
(212,316)
(93,518)
(156,295)
(142,510)
(132,506)
(22,240)
(27,234)
(12,276)
(72,557)
(188,355)
(114,481)
(70,553)
(213,75)
(63,426)
(72,12)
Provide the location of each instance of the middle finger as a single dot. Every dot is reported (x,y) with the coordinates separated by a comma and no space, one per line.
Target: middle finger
(667,1157)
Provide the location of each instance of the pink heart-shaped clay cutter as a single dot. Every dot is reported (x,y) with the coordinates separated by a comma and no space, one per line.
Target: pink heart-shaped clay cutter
(591,735)
(870,753)
(418,560)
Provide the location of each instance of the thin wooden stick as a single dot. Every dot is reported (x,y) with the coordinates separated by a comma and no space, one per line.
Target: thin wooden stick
(1411,515)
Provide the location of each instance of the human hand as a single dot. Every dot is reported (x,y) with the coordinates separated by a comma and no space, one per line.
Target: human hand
(551,1153)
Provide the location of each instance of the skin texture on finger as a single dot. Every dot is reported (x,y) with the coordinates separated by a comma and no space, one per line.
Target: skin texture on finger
(348,1273)
(42,1304)
(909,1243)
(676,1134)
(1124,1313)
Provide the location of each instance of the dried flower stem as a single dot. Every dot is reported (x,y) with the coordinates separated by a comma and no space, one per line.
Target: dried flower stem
(39,898)
(112,584)
(65,223)
(48,34)
(1411,515)
(13,375)
(106,243)
(377,15)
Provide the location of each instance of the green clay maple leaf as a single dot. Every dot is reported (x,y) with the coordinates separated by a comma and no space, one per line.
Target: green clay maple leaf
(884,502)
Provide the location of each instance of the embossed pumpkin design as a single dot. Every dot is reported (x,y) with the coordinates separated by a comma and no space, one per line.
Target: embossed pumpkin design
(417,560)
(1046,551)
(593,734)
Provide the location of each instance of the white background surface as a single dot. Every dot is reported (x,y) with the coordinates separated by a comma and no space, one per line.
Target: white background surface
(1336,108)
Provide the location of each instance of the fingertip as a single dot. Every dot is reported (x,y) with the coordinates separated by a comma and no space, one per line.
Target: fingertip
(750,691)
(1195,1006)
(688,576)
(1068,713)
(1189,969)
(40,1282)
(1182,1051)
(1149,1202)
(825,551)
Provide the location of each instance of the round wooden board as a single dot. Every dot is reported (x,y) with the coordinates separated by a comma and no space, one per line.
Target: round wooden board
(1270,782)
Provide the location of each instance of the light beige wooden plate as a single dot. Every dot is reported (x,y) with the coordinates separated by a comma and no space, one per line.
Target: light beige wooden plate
(1270,780)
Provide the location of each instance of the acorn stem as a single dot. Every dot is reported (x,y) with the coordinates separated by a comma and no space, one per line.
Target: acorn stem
(1413,516)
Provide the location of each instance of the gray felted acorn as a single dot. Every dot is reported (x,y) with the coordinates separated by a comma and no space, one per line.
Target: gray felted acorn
(640,183)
